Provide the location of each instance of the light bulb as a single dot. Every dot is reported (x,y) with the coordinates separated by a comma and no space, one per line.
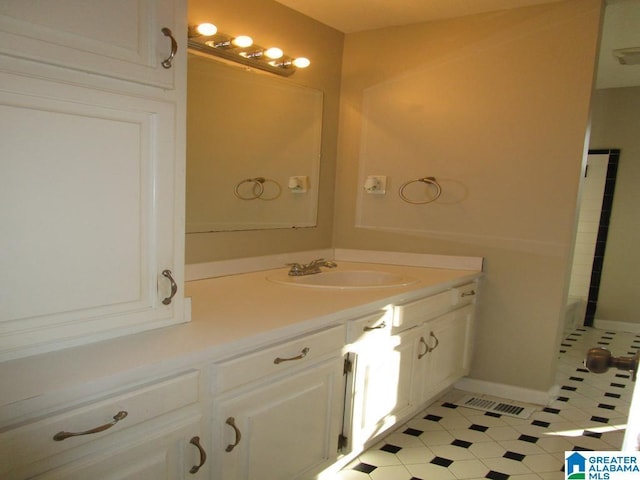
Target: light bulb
(301,62)
(243,41)
(273,52)
(207,29)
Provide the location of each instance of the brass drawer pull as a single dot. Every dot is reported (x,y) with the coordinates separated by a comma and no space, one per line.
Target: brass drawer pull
(303,354)
(431,349)
(377,327)
(426,349)
(232,423)
(203,455)
(470,293)
(58,437)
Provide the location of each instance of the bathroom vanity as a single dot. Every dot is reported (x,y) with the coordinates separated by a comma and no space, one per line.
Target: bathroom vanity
(101,373)
(268,380)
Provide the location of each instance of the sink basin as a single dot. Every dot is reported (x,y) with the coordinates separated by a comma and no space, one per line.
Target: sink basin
(345,279)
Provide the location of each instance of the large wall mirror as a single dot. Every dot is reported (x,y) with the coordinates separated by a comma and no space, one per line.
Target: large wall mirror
(253,149)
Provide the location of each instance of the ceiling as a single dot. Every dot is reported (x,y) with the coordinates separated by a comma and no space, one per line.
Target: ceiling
(621,26)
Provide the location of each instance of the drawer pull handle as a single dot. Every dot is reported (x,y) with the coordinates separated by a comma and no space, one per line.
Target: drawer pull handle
(470,293)
(232,423)
(303,354)
(203,455)
(58,437)
(174,287)
(431,349)
(167,62)
(377,327)
(426,348)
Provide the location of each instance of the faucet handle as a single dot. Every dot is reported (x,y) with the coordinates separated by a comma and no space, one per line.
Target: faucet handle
(296,268)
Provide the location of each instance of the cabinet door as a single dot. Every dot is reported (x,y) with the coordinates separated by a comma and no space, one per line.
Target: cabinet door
(383,385)
(118,38)
(87,201)
(283,429)
(449,348)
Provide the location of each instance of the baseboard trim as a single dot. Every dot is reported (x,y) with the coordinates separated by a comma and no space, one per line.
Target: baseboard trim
(509,392)
(617,326)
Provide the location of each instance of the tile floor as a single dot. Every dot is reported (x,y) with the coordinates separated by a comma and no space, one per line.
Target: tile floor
(450,442)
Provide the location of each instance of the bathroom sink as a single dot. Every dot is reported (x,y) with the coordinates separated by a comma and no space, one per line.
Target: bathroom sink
(345,279)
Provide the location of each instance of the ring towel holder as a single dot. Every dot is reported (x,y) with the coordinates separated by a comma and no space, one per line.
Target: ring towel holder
(429,181)
(257,189)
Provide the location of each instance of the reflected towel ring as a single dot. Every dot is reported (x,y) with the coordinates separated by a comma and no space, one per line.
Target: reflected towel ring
(268,180)
(257,190)
(426,180)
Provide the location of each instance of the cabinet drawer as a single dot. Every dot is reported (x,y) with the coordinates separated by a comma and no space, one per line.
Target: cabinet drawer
(464,294)
(278,359)
(35,440)
(372,326)
(414,313)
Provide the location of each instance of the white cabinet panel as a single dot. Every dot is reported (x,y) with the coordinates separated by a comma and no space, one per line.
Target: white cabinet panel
(448,339)
(120,38)
(161,454)
(283,429)
(68,437)
(87,201)
(46,437)
(383,385)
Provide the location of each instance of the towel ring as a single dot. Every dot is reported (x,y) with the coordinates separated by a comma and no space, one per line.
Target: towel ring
(272,197)
(426,180)
(257,189)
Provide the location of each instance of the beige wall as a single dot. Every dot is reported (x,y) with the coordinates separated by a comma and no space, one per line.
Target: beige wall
(270,23)
(495,105)
(616,122)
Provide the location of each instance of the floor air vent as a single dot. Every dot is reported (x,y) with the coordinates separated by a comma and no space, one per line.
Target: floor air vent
(495,406)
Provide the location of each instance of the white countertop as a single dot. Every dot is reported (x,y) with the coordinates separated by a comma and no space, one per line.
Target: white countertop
(230,315)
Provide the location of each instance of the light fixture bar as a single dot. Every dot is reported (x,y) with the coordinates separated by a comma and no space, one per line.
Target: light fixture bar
(254,56)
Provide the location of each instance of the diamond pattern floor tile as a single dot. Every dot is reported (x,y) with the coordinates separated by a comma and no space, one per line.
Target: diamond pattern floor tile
(447,442)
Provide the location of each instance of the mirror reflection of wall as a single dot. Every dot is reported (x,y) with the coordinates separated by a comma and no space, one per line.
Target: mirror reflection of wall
(253,152)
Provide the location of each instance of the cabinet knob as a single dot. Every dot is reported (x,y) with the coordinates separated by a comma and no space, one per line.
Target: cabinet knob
(599,360)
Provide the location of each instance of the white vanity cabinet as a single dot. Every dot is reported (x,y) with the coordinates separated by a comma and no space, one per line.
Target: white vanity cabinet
(279,410)
(403,357)
(91,190)
(443,345)
(146,431)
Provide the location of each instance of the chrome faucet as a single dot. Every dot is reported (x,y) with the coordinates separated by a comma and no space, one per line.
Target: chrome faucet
(297,269)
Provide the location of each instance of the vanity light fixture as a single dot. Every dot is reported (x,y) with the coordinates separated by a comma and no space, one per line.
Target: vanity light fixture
(206,29)
(205,38)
